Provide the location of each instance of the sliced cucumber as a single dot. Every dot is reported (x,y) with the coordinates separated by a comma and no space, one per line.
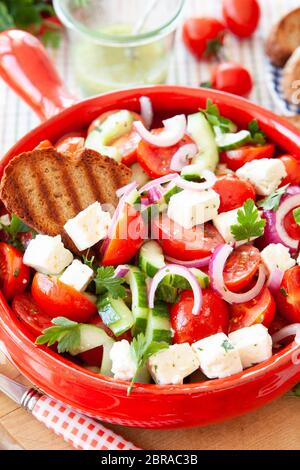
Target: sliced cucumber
(202,278)
(151,258)
(137,282)
(180,282)
(115,126)
(134,198)
(159,325)
(192,172)
(232,141)
(167,294)
(201,132)
(171,192)
(92,337)
(115,314)
(139,175)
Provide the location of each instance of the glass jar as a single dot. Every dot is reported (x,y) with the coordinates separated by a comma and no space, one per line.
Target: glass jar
(110,46)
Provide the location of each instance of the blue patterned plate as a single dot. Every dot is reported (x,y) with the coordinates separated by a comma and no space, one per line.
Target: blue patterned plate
(274,83)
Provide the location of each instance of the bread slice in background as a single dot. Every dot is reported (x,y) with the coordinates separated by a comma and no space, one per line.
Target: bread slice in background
(284,38)
(291,78)
(45,188)
(293,120)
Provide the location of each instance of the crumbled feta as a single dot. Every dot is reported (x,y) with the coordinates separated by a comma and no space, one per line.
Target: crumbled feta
(170,366)
(77,275)
(265,174)
(47,255)
(88,227)
(277,256)
(254,344)
(217,356)
(124,364)
(223,223)
(190,208)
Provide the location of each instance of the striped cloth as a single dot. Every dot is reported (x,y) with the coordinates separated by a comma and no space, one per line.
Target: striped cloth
(16,119)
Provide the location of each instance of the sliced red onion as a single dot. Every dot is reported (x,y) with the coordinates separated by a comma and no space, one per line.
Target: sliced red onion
(216,269)
(181,157)
(197,263)
(146,111)
(155,194)
(209,176)
(158,182)
(180,271)
(290,330)
(123,190)
(121,271)
(287,205)
(119,210)
(145,201)
(174,130)
(275,280)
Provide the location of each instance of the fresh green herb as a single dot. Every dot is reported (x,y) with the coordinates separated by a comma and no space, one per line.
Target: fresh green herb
(296,390)
(227,346)
(106,281)
(65,332)
(284,292)
(257,135)
(16,227)
(250,224)
(296,214)
(272,202)
(215,119)
(141,351)
(90,262)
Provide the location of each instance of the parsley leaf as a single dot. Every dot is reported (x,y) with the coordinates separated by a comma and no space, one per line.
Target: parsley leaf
(6,19)
(215,119)
(249,224)
(227,346)
(106,281)
(296,214)
(65,332)
(16,227)
(257,135)
(89,261)
(272,202)
(141,351)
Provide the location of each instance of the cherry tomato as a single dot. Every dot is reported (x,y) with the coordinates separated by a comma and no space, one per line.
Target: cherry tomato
(203,36)
(277,324)
(71,143)
(288,299)
(60,300)
(45,144)
(182,244)
(241,267)
(235,159)
(212,318)
(14,275)
(156,161)
(291,226)
(29,312)
(233,192)
(262,309)
(292,166)
(241,16)
(232,78)
(128,238)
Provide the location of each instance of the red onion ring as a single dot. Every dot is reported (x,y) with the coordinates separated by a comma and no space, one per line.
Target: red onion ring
(119,210)
(123,190)
(180,271)
(286,206)
(146,111)
(172,134)
(180,158)
(155,194)
(275,280)
(216,269)
(121,271)
(158,182)
(190,185)
(290,330)
(197,263)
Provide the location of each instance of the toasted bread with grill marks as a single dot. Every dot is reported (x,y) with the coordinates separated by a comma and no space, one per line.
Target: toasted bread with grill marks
(291,78)
(45,188)
(284,38)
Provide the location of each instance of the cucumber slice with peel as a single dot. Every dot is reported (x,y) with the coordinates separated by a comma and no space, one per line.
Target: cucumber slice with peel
(159,325)
(151,258)
(231,141)
(199,129)
(115,314)
(137,282)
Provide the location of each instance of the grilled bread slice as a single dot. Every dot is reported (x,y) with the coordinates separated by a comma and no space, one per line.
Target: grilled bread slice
(45,188)
(293,120)
(284,38)
(291,78)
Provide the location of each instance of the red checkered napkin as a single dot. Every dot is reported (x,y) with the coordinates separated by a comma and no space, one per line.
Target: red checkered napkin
(78,430)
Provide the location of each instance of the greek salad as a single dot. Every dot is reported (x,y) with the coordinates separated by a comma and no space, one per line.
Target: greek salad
(194,276)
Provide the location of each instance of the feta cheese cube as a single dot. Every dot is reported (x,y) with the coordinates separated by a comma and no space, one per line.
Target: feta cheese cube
(277,256)
(223,223)
(190,208)
(265,174)
(170,366)
(124,364)
(47,255)
(88,227)
(254,344)
(77,275)
(217,356)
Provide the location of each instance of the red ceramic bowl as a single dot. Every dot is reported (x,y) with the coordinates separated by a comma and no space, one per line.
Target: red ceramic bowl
(24,65)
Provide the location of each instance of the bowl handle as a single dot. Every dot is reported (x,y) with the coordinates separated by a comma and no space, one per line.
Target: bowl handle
(27,68)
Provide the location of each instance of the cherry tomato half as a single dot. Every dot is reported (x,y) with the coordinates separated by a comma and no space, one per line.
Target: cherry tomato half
(45,144)
(241,16)
(14,275)
(212,319)
(291,226)
(232,78)
(203,36)
(235,159)
(186,245)
(156,161)
(31,314)
(262,309)
(60,300)
(292,166)
(241,267)
(233,192)
(288,298)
